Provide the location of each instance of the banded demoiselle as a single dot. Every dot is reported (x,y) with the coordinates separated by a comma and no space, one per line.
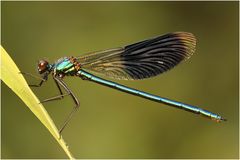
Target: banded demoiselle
(140,60)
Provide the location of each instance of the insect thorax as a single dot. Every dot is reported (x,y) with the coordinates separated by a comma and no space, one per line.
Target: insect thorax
(67,66)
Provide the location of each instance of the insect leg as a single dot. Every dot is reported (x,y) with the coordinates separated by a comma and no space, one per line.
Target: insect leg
(59,97)
(43,79)
(77,104)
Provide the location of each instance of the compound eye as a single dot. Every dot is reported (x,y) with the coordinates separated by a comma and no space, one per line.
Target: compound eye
(42,66)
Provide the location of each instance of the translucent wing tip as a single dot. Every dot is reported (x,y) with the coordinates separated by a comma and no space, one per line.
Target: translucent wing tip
(188,40)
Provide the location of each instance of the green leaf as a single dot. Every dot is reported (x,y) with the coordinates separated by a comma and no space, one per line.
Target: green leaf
(10,75)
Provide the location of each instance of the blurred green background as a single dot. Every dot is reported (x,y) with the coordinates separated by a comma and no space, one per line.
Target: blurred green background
(112,124)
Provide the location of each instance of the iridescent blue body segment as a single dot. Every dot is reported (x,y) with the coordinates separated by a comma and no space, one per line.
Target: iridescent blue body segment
(190,108)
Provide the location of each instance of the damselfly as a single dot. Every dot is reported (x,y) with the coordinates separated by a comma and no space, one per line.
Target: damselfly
(141,60)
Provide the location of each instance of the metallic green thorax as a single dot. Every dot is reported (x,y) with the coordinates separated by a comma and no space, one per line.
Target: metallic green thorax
(65,66)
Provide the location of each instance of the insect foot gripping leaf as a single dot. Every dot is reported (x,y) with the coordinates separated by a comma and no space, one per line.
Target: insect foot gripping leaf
(9,74)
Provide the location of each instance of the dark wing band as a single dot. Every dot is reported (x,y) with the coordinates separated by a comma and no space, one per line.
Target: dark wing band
(143,59)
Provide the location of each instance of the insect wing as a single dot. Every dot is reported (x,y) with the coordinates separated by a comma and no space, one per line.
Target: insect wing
(141,60)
